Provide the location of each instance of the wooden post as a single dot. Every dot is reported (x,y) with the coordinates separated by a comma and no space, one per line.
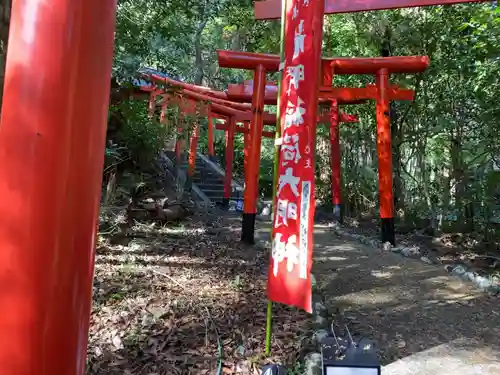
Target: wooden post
(385,158)
(231,128)
(52,142)
(335,160)
(253,168)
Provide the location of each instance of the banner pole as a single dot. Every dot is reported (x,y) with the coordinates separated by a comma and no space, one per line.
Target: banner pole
(269,317)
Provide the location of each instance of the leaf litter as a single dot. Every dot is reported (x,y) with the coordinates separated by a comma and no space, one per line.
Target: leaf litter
(187,298)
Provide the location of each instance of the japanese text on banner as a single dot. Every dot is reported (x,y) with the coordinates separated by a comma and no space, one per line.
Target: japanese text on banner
(289,277)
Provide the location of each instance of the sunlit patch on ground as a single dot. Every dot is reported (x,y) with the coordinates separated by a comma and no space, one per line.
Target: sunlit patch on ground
(166,300)
(461,356)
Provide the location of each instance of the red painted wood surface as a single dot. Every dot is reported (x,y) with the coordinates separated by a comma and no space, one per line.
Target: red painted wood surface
(193,145)
(229,155)
(384,148)
(220,110)
(369,92)
(163,113)
(153,94)
(344,117)
(256,127)
(190,104)
(243,93)
(346,96)
(172,83)
(52,143)
(201,97)
(210,135)
(246,149)
(271,9)
(245,130)
(340,65)
(335,156)
(343,95)
(370,65)
(247,60)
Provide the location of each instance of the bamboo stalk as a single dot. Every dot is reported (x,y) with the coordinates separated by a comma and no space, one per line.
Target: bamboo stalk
(269,317)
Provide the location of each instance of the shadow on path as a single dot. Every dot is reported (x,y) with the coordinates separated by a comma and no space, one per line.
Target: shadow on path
(424,320)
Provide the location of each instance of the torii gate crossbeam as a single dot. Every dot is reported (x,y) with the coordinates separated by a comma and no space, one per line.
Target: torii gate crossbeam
(271,9)
(47,252)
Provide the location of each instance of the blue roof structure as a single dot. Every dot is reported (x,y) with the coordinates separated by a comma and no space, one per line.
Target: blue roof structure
(141,82)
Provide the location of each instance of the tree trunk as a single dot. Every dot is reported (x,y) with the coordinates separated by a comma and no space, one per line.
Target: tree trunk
(446,197)
(458,175)
(396,139)
(198,78)
(5,7)
(236,40)
(396,135)
(425,182)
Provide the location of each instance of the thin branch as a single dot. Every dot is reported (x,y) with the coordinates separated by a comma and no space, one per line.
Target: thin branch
(168,277)
(116,164)
(412,104)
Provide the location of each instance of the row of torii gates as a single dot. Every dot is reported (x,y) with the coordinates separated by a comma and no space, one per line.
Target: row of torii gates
(241,106)
(52,139)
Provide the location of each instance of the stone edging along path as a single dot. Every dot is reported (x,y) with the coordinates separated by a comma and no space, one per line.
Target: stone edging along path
(486,284)
(319,329)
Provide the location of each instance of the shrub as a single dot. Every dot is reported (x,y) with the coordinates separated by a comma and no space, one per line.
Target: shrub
(140,138)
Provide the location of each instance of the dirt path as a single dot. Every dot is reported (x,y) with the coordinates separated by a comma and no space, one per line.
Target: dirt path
(424,320)
(184,299)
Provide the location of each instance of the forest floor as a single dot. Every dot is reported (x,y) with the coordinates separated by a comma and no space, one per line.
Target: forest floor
(185,297)
(407,306)
(423,320)
(473,250)
(182,298)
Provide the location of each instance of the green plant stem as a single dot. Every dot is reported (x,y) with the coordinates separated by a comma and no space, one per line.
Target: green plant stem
(269,317)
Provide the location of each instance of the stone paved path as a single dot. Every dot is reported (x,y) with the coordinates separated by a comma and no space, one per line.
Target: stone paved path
(425,321)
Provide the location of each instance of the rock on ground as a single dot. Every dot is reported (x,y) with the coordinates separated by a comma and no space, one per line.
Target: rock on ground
(412,310)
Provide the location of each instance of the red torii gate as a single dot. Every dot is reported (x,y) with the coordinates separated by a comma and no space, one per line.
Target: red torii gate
(271,9)
(243,93)
(379,66)
(217,110)
(187,100)
(47,257)
(236,114)
(340,96)
(233,112)
(335,96)
(345,96)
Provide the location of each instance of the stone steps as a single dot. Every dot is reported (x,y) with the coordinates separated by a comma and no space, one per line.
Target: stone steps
(209,181)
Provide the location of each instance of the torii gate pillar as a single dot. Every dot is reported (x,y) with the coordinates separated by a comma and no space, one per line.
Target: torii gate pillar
(384,150)
(52,139)
(252,180)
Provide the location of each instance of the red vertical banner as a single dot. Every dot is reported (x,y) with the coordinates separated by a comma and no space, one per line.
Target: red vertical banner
(289,279)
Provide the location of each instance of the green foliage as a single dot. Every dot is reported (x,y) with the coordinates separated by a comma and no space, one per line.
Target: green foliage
(446,138)
(443,142)
(141,139)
